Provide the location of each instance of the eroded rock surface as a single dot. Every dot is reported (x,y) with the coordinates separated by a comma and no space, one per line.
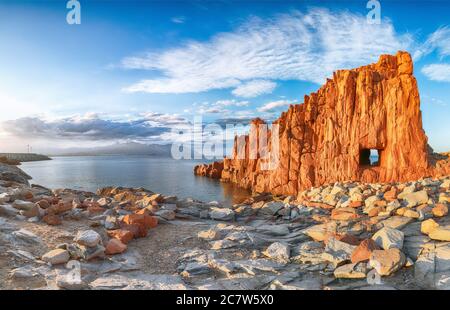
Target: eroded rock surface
(328,138)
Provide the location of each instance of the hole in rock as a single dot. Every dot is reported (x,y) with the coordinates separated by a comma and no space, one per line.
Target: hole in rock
(369,157)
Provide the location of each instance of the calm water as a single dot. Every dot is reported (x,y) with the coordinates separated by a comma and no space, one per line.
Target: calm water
(162,175)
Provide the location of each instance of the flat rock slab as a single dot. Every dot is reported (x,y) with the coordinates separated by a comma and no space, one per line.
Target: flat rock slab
(139,282)
(396,222)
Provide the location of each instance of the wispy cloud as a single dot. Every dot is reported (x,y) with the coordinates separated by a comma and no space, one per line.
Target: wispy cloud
(178,19)
(437,72)
(254,88)
(298,46)
(271,106)
(438,40)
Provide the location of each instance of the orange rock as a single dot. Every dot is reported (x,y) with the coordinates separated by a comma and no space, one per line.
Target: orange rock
(94,208)
(355,204)
(374,211)
(138,230)
(364,250)
(344,214)
(60,208)
(391,194)
(440,210)
(115,246)
(329,136)
(123,235)
(347,238)
(380,203)
(43,203)
(142,219)
(143,211)
(28,195)
(151,221)
(52,219)
(313,204)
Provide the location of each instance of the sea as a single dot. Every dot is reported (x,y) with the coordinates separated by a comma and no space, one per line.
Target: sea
(161,175)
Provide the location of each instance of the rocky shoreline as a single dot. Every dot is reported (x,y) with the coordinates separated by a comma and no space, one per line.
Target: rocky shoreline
(346,235)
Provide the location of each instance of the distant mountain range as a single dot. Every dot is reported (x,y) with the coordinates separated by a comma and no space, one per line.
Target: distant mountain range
(128,148)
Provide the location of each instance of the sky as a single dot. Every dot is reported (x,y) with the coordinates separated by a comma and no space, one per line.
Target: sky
(133,70)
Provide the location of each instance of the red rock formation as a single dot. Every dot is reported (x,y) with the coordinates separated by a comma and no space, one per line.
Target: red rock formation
(328,137)
(213,170)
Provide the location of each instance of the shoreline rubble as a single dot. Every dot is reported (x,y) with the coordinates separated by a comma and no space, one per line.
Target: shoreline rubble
(334,236)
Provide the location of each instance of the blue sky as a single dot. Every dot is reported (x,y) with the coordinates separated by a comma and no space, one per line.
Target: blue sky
(131,70)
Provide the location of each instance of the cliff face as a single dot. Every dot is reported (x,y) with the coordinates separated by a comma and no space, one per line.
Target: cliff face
(328,138)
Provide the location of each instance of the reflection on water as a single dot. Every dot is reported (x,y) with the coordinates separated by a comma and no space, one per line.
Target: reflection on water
(163,175)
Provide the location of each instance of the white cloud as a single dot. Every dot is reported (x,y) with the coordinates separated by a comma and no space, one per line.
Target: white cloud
(254,88)
(91,127)
(298,46)
(437,72)
(270,106)
(438,40)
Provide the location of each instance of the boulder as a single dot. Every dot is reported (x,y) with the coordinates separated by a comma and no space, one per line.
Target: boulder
(337,252)
(344,214)
(440,233)
(278,251)
(8,210)
(363,251)
(115,246)
(411,213)
(111,222)
(440,210)
(428,226)
(144,220)
(388,238)
(52,219)
(209,235)
(57,256)
(415,198)
(221,214)
(166,214)
(319,232)
(388,261)
(88,238)
(396,222)
(391,194)
(23,205)
(351,271)
(271,208)
(123,235)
